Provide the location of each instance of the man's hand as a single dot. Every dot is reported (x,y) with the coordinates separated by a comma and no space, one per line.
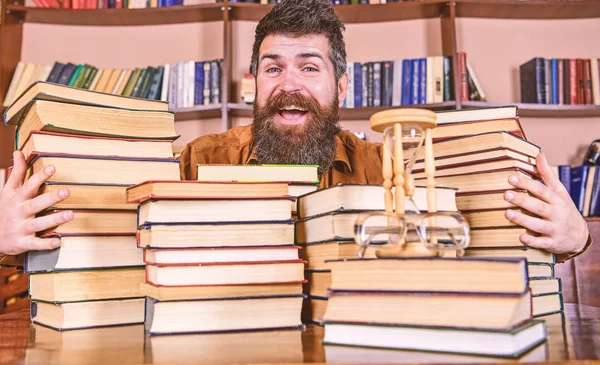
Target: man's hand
(561,227)
(19,204)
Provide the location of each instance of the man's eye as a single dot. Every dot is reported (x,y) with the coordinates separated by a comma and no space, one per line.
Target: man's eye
(273,69)
(310,69)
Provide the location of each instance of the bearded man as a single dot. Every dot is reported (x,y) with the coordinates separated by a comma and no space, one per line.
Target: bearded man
(299,63)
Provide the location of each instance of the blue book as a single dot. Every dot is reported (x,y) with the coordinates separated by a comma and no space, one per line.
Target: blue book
(406,81)
(554,67)
(414,91)
(364,71)
(564,175)
(423,81)
(199,83)
(357,85)
(578,181)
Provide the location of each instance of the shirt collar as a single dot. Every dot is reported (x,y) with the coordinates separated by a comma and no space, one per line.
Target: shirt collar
(340,157)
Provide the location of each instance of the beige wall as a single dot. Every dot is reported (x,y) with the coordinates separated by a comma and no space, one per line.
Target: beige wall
(495,48)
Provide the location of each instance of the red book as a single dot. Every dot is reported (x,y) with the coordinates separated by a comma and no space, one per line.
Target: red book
(574,86)
(561,82)
(580,84)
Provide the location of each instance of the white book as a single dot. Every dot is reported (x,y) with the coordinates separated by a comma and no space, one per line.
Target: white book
(119,81)
(173,79)
(430,82)
(191,78)
(43,76)
(10,94)
(595,82)
(397,84)
(96,79)
(475,81)
(438,79)
(180,99)
(164,92)
(350,91)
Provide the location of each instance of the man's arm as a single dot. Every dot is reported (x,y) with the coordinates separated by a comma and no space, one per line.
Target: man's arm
(561,227)
(19,205)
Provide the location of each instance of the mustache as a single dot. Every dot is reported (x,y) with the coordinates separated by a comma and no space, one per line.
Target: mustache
(284,100)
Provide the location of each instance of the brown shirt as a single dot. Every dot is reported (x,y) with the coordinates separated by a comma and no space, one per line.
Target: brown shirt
(355,161)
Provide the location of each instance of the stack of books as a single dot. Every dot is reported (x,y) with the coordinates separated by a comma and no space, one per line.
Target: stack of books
(462,305)
(476,151)
(99,144)
(325,230)
(220,256)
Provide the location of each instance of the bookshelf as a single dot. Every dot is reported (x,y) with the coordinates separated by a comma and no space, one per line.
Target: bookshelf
(15,15)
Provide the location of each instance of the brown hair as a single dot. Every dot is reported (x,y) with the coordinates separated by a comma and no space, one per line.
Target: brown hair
(297,18)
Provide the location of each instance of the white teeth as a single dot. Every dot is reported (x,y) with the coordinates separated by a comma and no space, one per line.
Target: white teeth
(293,107)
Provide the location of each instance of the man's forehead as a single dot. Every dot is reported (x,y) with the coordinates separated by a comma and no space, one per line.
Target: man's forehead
(291,46)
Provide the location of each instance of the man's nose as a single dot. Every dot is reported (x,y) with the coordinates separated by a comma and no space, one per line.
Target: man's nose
(291,82)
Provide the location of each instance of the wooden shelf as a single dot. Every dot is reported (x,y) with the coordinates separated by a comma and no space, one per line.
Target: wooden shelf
(543,110)
(529,9)
(198,112)
(356,13)
(245,111)
(122,17)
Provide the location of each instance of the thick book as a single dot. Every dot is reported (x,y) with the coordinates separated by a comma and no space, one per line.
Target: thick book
(476,166)
(223,273)
(86,252)
(492,218)
(353,197)
(511,343)
(222,234)
(60,117)
(533,255)
(204,189)
(85,285)
(318,282)
(89,314)
(468,147)
(90,196)
(104,169)
(313,309)
(94,221)
(498,237)
(289,173)
(54,92)
(49,142)
(450,310)
(173,211)
(164,293)
(548,285)
(545,304)
(219,255)
(485,275)
(484,200)
(458,129)
(226,315)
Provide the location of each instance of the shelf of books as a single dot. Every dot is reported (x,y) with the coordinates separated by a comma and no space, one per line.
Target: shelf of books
(543,110)
(519,9)
(119,17)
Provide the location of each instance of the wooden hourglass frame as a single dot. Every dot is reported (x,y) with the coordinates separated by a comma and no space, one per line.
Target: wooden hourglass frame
(394,173)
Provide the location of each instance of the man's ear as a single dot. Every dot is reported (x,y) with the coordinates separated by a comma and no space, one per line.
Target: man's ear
(342,89)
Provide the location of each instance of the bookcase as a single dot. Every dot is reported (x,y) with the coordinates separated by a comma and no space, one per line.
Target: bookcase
(227,32)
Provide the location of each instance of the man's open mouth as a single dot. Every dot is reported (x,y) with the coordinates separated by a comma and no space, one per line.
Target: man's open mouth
(292,112)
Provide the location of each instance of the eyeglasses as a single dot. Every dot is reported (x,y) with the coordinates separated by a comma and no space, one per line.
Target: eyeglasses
(438,232)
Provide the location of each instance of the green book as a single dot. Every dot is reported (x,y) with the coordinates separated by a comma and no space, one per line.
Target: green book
(83,75)
(90,78)
(131,82)
(75,75)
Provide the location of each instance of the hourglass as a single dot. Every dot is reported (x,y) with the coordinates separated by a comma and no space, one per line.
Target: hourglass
(404,230)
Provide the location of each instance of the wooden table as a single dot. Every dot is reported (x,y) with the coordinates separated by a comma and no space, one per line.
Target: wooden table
(24,343)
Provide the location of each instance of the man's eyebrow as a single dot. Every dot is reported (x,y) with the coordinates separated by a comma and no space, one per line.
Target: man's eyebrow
(276,57)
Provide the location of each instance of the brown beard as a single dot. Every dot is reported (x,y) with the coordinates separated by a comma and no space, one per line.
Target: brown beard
(312,143)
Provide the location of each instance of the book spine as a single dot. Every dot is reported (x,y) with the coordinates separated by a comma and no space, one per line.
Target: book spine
(387,73)
(406,81)
(595,203)
(349,101)
(397,84)
(564,175)
(173,79)
(370,71)
(206,88)
(55,72)
(561,82)
(414,97)
(547,81)
(358,85)
(215,80)
(462,72)
(423,81)
(580,84)
(377,83)
(587,81)
(199,84)
(365,84)
(554,66)
(573,82)
(447,78)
